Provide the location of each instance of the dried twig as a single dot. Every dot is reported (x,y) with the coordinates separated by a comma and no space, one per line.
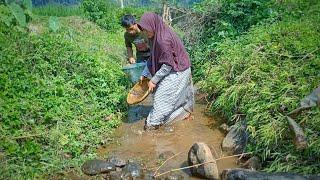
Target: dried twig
(166,161)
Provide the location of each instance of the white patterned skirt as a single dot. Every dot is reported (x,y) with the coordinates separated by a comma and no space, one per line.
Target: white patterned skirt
(173,99)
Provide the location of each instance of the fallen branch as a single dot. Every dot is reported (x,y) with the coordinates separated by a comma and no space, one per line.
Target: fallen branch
(196,165)
(297,111)
(304,57)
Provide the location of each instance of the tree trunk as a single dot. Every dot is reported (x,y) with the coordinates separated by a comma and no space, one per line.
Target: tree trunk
(166,16)
(121,4)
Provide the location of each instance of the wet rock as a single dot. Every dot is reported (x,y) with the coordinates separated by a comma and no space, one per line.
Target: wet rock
(114,175)
(93,167)
(307,103)
(200,153)
(243,174)
(117,161)
(253,163)
(118,169)
(148,175)
(236,139)
(312,99)
(165,155)
(174,176)
(132,171)
(224,127)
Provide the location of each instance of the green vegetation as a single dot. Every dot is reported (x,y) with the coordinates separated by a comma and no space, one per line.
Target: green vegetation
(62,89)
(264,64)
(107,15)
(17,13)
(61,94)
(58,10)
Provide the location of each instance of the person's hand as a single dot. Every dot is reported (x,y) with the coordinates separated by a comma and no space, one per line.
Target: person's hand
(132,60)
(151,86)
(142,78)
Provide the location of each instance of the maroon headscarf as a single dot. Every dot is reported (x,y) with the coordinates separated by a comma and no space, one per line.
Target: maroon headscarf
(167,48)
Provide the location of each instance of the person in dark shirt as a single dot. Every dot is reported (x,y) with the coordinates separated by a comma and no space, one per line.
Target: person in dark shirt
(134,35)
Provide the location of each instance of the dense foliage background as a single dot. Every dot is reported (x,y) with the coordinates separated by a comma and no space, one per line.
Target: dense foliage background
(62,89)
(255,57)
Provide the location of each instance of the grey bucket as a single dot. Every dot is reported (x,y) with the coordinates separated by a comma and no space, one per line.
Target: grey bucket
(134,71)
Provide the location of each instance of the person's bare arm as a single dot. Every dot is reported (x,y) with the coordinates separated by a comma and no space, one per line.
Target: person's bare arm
(130,55)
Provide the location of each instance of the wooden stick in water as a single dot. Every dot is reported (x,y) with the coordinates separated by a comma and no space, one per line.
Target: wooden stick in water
(166,161)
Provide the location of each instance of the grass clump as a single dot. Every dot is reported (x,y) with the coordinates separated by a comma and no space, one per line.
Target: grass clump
(273,65)
(58,10)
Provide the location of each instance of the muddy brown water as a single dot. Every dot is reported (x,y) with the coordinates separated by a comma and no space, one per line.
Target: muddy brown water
(131,142)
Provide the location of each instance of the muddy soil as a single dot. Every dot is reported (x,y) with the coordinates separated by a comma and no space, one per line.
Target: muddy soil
(131,142)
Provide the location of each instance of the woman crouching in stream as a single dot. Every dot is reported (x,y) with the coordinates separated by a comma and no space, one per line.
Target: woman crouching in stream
(170,72)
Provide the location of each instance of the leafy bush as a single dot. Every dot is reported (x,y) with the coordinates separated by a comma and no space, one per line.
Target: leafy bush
(220,20)
(231,17)
(106,14)
(16,13)
(58,102)
(273,65)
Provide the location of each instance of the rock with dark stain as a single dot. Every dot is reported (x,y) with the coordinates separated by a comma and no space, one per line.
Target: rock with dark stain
(236,139)
(253,163)
(114,175)
(224,127)
(200,153)
(117,161)
(96,166)
(132,171)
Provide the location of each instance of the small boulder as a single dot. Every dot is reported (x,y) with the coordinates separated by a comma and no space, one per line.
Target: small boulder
(114,175)
(148,175)
(174,176)
(117,161)
(236,139)
(224,127)
(200,153)
(253,163)
(96,166)
(132,171)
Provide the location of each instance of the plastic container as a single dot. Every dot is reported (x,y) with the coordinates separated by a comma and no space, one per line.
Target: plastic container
(134,71)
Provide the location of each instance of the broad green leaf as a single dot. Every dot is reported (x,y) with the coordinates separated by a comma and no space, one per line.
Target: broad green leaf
(18,13)
(53,23)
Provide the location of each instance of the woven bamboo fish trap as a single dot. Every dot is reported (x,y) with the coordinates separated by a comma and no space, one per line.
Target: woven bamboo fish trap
(138,92)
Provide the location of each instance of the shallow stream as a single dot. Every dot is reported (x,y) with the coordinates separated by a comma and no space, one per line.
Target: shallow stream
(131,142)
